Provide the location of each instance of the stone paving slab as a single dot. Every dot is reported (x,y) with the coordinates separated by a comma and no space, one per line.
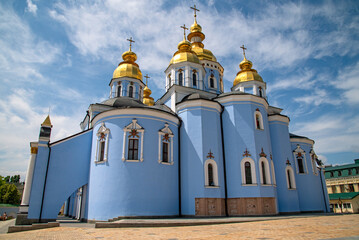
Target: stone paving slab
(316,227)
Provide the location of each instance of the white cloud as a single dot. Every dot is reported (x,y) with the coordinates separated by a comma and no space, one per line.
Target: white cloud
(318,97)
(348,80)
(31,7)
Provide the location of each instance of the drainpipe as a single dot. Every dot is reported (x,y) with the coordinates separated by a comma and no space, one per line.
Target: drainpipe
(321,181)
(224,166)
(179,169)
(43,192)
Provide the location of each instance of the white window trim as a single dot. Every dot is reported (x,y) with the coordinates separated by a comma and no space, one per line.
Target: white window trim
(133,92)
(215,173)
(127,129)
(314,164)
(261,126)
(161,134)
(295,153)
(106,131)
(274,181)
(268,175)
(253,171)
(209,82)
(118,95)
(292,177)
(183,77)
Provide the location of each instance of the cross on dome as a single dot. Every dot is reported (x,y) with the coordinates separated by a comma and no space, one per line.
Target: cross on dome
(184,30)
(244,51)
(131,41)
(147,77)
(195,10)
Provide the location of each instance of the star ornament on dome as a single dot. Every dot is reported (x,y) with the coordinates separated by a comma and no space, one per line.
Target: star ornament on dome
(133,133)
(166,137)
(210,155)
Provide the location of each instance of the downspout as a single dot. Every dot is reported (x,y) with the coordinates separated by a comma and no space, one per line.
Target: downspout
(179,169)
(321,182)
(224,166)
(43,192)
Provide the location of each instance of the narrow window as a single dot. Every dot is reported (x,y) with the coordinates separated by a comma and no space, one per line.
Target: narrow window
(260,92)
(334,189)
(331,174)
(342,190)
(180,79)
(339,173)
(169,80)
(133,149)
(351,188)
(349,172)
(258,123)
(289,179)
(194,78)
(119,91)
(211,82)
(264,173)
(130,91)
(248,173)
(300,164)
(164,152)
(210,175)
(102,151)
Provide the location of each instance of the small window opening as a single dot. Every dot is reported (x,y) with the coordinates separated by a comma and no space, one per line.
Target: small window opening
(248,173)
(210,175)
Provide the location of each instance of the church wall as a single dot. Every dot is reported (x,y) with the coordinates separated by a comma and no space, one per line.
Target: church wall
(287,198)
(309,187)
(200,135)
(120,188)
(68,170)
(216,78)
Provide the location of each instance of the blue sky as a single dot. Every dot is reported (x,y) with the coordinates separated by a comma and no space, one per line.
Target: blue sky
(61,55)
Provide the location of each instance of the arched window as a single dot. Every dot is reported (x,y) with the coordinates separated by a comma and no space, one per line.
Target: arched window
(211,173)
(119,91)
(194,79)
(102,143)
(300,160)
(264,179)
(258,120)
(248,173)
(300,164)
(264,171)
(130,91)
(290,177)
(211,82)
(180,79)
(165,145)
(260,92)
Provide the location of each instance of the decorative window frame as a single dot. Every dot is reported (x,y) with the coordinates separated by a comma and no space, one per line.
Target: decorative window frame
(195,73)
(253,171)
(274,181)
(260,118)
(299,152)
(214,82)
(267,171)
(133,90)
(313,156)
(119,94)
(130,128)
(165,135)
(292,177)
(183,77)
(215,173)
(106,131)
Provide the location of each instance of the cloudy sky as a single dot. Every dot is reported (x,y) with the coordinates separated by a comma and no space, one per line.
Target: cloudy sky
(60,55)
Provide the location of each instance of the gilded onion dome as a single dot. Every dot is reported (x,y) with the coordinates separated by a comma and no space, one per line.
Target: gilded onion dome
(147,99)
(184,53)
(247,73)
(196,37)
(128,67)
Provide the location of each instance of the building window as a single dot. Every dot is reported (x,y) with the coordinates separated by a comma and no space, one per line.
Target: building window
(169,80)
(334,189)
(342,189)
(347,205)
(132,149)
(258,119)
(339,173)
(248,171)
(351,187)
(331,174)
(130,91)
(165,145)
(133,137)
(264,171)
(102,143)
(349,172)
(119,91)
(180,79)
(290,177)
(300,164)
(211,173)
(260,92)
(194,79)
(211,82)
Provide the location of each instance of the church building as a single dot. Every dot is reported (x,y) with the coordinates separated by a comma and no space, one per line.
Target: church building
(196,151)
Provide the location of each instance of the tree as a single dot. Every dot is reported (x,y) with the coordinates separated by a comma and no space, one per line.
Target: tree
(9,194)
(7,179)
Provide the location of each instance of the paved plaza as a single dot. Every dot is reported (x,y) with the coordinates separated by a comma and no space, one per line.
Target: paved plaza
(297,227)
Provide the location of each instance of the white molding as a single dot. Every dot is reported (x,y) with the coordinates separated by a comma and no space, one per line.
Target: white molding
(253,171)
(314,164)
(106,131)
(292,177)
(274,181)
(301,140)
(199,103)
(215,172)
(267,171)
(279,118)
(161,133)
(242,98)
(128,128)
(261,125)
(295,153)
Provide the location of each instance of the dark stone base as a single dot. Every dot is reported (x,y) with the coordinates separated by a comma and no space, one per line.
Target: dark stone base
(22,219)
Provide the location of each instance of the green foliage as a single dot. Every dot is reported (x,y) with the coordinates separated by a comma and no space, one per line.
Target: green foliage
(9,194)
(7,179)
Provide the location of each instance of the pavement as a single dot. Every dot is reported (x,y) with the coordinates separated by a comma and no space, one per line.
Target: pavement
(278,227)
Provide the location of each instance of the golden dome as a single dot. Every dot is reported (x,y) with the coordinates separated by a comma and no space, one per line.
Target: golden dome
(128,67)
(184,53)
(203,54)
(247,73)
(146,97)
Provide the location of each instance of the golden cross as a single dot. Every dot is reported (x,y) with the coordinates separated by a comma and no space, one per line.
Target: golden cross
(147,77)
(244,51)
(195,10)
(131,41)
(184,30)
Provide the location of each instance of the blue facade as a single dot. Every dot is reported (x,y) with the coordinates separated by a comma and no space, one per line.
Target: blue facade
(197,152)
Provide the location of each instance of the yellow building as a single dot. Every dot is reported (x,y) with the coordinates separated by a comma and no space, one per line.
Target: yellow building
(343,187)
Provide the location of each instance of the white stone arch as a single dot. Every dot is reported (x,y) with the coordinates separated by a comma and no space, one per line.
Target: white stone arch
(274,181)
(258,120)
(266,171)
(289,173)
(214,81)
(102,144)
(133,128)
(215,173)
(253,171)
(165,135)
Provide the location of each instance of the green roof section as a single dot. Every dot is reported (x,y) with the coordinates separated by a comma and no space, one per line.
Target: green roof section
(345,170)
(343,196)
